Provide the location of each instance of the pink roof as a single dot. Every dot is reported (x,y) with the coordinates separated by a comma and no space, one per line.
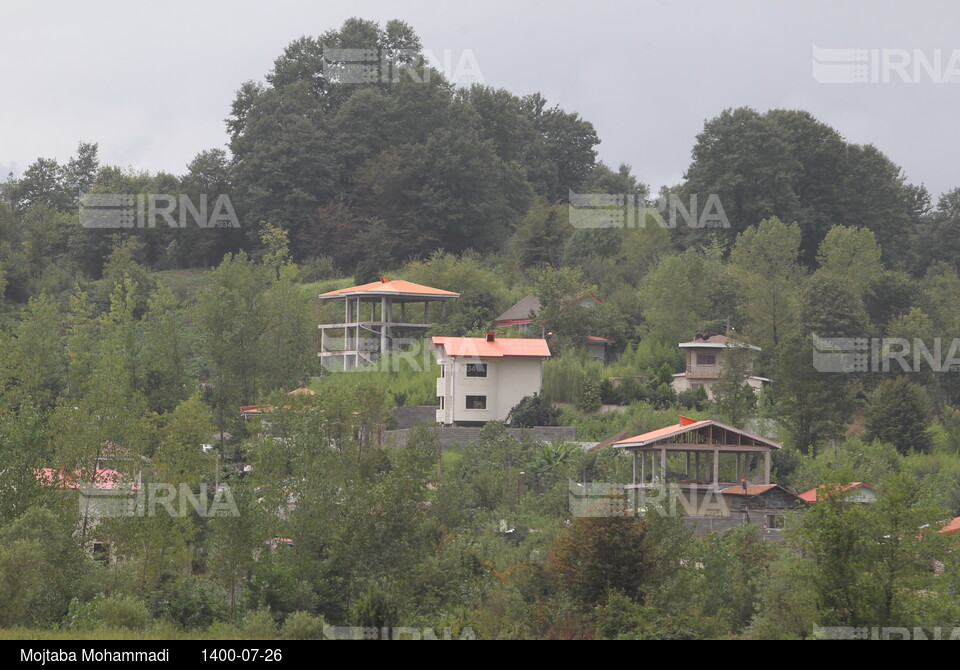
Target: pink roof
(387,286)
(501,347)
(811,495)
(951,527)
(685,426)
(106,479)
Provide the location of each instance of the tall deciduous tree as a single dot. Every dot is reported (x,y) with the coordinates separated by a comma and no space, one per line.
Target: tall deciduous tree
(765,261)
(899,413)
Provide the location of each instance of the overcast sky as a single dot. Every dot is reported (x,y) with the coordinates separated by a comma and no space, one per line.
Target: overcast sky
(153,82)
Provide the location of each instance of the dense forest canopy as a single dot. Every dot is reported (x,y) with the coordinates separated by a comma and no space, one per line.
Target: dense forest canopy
(147,342)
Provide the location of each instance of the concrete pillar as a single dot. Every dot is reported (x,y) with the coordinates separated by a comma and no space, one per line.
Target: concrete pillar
(737,455)
(688,463)
(635,467)
(696,465)
(643,467)
(663,465)
(716,468)
(383,326)
(766,467)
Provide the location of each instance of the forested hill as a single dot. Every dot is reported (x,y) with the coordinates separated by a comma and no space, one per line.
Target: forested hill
(132,350)
(372,175)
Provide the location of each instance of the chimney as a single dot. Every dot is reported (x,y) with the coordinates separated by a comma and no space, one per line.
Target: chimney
(383,280)
(491,336)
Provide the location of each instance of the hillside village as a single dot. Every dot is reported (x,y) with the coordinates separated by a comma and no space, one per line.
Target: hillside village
(412,390)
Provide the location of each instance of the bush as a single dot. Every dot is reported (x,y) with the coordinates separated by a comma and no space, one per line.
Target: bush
(590,401)
(259,625)
(192,602)
(122,612)
(317,269)
(303,626)
(108,611)
(533,410)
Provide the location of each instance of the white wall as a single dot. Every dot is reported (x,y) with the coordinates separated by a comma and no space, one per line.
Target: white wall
(507,382)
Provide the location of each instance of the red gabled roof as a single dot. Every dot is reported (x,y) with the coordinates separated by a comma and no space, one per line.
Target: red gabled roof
(952,527)
(501,347)
(811,495)
(387,286)
(685,426)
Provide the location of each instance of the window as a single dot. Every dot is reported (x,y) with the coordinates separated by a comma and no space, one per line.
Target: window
(476,402)
(476,369)
(776,521)
(440,401)
(706,359)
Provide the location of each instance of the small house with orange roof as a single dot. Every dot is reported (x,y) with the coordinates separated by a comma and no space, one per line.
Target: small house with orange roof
(376,317)
(705,355)
(952,526)
(858,492)
(483,378)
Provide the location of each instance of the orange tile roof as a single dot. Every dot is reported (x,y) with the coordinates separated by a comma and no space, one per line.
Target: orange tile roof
(387,286)
(952,527)
(811,495)
(686,425)
(501,347)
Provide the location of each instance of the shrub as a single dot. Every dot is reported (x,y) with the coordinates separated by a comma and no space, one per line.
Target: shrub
(533,410)
(259,625)
(303,626)
(122,612)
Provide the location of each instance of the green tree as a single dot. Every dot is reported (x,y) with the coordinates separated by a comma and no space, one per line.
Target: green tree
(765,260)
(733,397)
(899,413)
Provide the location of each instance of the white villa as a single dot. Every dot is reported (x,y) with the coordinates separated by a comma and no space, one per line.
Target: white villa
(705,355)
(483,378)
